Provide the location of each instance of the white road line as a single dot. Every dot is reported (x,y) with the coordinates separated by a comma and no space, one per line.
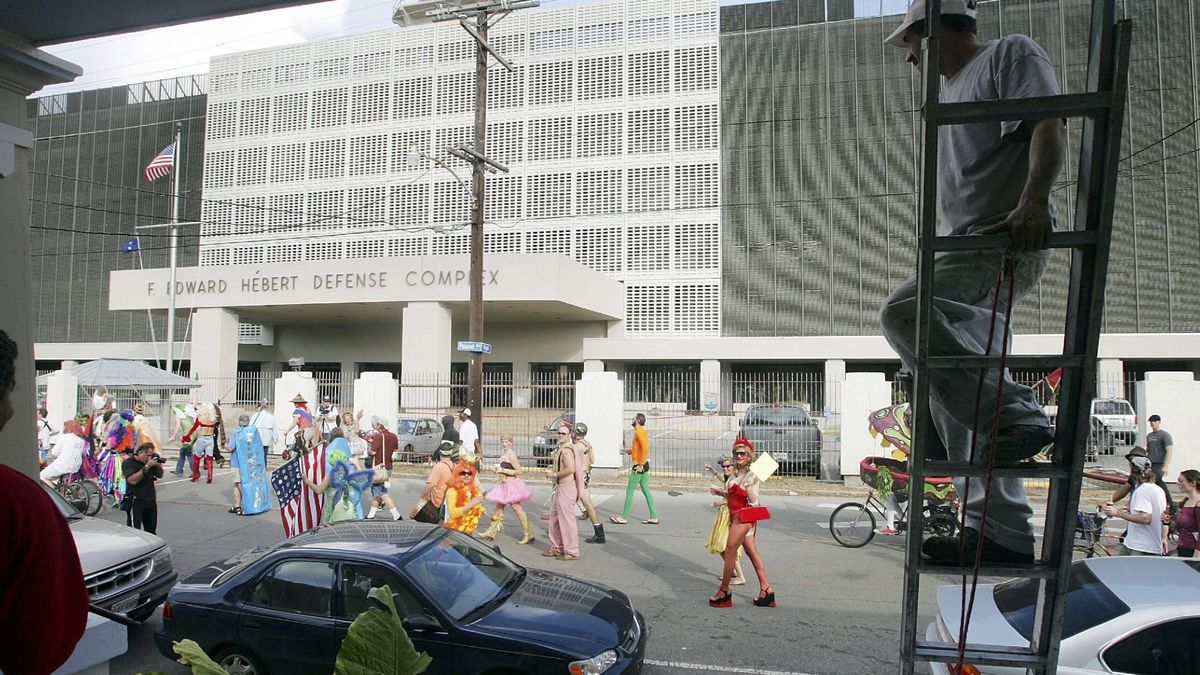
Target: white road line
(184,480)
(661,433)
(718,669)
(829,506)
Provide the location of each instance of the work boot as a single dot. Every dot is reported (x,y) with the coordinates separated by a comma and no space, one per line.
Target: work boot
(1016,443)
(944,550)
(494,530)
(598,538)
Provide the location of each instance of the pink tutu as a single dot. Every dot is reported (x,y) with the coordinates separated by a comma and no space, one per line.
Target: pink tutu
(512,491)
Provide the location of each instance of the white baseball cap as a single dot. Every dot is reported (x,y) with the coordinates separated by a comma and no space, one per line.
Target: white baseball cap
(916,12)
(466,411)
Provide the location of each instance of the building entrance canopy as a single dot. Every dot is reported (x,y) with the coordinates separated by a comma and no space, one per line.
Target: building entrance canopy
(515,286)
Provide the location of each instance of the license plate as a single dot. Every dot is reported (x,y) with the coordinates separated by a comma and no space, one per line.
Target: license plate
(125,605)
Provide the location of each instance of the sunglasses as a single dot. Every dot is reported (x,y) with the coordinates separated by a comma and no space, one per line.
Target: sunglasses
(726,466)
(740,453)
(564,433)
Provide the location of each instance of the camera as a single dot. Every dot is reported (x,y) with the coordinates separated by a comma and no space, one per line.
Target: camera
(157,457)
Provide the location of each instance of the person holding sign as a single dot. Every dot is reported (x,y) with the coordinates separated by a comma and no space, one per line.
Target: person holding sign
(741,495)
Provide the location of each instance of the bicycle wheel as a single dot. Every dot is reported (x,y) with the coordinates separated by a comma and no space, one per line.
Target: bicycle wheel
(94,499)
(941,525)
(77,495)
(852,525)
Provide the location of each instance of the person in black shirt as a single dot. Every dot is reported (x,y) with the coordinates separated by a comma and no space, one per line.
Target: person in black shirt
(449,433)
(141,470)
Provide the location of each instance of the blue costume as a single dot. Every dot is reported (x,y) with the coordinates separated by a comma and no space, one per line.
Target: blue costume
(343,497)
(250,459)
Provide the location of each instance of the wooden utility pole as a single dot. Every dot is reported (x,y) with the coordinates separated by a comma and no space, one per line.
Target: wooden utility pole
(475,372)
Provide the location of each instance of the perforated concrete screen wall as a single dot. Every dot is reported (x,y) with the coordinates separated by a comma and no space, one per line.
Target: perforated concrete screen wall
(609,126)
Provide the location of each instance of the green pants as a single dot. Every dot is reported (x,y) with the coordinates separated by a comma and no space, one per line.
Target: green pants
(637,480)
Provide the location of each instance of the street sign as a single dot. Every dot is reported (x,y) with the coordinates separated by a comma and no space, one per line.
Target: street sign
(475,347)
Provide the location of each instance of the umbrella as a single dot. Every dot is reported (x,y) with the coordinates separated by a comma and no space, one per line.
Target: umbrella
(125,373)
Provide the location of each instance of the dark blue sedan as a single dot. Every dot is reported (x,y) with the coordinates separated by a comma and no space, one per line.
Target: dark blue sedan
(285,609)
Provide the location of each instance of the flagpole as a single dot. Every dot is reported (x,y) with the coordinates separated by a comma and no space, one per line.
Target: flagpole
(174,254)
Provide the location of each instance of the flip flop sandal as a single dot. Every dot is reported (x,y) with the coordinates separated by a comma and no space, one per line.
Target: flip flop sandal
(617,520)
(650,521)
(235,509)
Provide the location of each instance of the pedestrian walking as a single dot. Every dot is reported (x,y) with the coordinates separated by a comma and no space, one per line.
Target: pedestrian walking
(429,507)
(139,503)
(993,177)
(564,530)
(468,434)
(449,433)
(44,433)
(584,456)
(1187,514)
(510,492)
(383,444)
(248,466)
(184,416)
(639,474)
(304,426)
(719,537)
(344,483)
(264,421)
(205,429)
(464,499)
(741,497)
(1159,447)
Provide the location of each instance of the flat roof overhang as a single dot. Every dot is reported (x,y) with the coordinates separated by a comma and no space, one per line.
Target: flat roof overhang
(516,286)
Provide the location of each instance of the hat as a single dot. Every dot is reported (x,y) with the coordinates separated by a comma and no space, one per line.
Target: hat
(465,411)
(376,421)
(1136,451)
(744,442)
(1140,464)
(580,429)
(916,12)
(327,397)
(298,399)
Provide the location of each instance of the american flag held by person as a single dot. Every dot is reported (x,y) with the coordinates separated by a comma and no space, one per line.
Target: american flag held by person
(299,507)
(162,163)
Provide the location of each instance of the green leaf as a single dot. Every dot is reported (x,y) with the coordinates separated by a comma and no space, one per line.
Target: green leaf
(376,643)
(190,654)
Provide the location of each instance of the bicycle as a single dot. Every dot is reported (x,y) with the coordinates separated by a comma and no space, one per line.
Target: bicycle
(853,524)
(83,493)
(1090,536)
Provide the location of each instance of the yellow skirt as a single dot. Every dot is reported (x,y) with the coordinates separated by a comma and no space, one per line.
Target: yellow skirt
(720,533)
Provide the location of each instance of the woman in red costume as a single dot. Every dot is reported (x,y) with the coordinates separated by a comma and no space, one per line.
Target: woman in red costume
(741,494)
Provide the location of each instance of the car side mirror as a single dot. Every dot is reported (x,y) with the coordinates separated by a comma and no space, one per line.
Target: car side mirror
(420,621)
(496,548)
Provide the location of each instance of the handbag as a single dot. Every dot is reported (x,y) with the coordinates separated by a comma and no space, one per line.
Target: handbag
(753,514)
(381,476)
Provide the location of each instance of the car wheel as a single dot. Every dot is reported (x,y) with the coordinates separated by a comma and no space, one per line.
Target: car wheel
(238,661)
(409,455)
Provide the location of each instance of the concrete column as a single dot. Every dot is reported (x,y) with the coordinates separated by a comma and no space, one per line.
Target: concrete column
(377,394)
(287,386)
(599,402)
(710,385)
(425,357)
(1110,378)
(593,366)
(1175,397)
(62,397)
(835,375)
(23,70)
(215,352)
(861,395)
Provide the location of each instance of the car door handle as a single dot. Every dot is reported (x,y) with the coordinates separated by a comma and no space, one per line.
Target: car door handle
(253,625)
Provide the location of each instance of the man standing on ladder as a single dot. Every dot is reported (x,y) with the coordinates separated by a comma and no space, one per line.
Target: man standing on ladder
(993,177)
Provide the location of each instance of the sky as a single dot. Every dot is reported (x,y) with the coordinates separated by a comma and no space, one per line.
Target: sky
(186,49)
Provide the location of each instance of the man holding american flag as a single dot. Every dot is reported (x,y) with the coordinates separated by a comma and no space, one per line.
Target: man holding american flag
(300,507)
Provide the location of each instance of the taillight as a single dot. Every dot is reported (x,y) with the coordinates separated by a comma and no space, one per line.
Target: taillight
(166,610)
(967,669)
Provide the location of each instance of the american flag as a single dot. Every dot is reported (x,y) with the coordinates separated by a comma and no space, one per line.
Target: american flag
(161,164)
(299,507)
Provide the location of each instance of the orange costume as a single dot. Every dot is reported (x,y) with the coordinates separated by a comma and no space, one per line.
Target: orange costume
(461,490)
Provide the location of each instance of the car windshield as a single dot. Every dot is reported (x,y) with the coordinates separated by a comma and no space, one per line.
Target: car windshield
(240,562)
(407,426)
(1112,408)
(462,576)
(782,416)
(66,508)
(1089,603)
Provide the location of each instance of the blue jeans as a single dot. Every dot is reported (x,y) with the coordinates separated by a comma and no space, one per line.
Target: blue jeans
(185,453)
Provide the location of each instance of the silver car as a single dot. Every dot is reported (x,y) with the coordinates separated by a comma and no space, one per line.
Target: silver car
(127,571)
(419,437)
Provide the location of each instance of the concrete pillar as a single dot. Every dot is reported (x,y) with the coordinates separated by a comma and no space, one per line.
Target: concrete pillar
(616,329)
(23,70)
(593,366)
(710,385)
(287,386)
(215,353)
(861,395)
(377,394)
(1110,378)
(599,402)
(522,394)
(62,397)
(425,357)
(835,375)
(1175,397)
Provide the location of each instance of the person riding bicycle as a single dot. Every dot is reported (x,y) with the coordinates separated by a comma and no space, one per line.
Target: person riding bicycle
(67,454)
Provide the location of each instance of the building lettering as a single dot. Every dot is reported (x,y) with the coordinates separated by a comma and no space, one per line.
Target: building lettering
(448,278)
(268,284)
(201,286)
(350,280)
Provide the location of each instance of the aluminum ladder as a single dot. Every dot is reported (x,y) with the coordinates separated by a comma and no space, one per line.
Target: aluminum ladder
(1103,107)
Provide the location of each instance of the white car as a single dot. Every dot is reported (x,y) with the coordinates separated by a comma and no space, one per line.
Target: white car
(1124,615)
(1117,417)
(127,571)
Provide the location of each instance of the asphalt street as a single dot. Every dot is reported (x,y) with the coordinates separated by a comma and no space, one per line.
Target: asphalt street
(839,608)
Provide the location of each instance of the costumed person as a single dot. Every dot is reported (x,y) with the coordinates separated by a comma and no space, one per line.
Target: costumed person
(741,496)
(118,439)
(66,455)
(639,473)
(584,456)
(302,424)
(205,429)
(343,484)
(433,497)
(359,448)
(185,417)
(464,499)
(383,444)
(511,491)
(720,529)
(143,429)
(248,464)
(564,530)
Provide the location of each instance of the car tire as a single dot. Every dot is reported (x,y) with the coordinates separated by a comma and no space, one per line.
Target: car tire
(238,660)
(409,456)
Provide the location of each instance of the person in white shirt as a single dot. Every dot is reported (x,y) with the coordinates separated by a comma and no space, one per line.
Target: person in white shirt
(1147,534)
(67,453)
(264,421)
(468,434)
(328,417)
(44,433)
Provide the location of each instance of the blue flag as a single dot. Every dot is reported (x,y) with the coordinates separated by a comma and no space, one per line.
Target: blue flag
(130,246)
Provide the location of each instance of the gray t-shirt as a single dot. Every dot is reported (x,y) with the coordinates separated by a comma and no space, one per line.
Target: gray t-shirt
(982,168)
(1156,446)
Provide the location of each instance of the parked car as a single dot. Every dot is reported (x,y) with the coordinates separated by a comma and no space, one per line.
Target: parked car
(286,608)
(788,433)
(546,441)
(1123,615)
(127,571)
(419,437)
(1117,417)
